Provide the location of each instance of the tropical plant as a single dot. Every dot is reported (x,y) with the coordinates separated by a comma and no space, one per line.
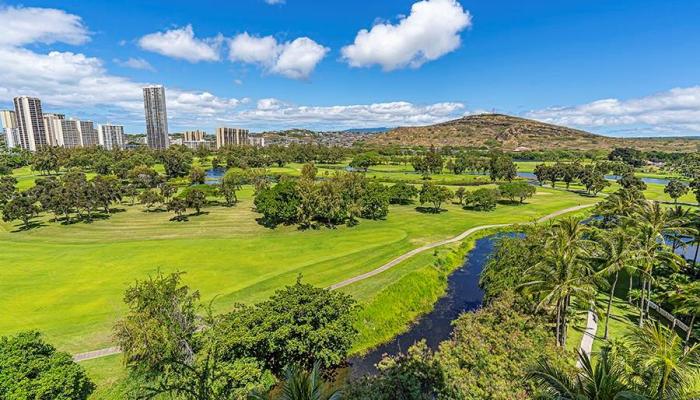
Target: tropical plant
(302,385)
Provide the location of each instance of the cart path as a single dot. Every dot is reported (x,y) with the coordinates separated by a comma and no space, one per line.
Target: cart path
(588,336)
(115,350)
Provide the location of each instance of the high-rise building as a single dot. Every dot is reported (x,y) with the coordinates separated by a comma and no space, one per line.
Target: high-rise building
(71,133)
(8,119)
(156,117)
(111,136)
(193,136)
(231,137)
(54,128)
(257,141)
(30,121)
(88,134)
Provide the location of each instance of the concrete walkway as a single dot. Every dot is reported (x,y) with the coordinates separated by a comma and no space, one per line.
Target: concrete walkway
(115,350)
(588,335)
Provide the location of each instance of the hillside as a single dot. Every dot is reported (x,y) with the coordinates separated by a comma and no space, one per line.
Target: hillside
(513,133)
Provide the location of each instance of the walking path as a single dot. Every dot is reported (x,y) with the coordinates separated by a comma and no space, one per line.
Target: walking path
(588,335)
(115,350)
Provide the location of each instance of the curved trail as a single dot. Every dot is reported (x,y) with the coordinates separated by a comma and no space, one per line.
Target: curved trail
(115,350)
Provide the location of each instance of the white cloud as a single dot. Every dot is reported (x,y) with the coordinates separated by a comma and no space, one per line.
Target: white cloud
(135,63)
(181,43)
(24,25)
(295,59)
(676,111)
(273,2)
(275,113)
(429,32)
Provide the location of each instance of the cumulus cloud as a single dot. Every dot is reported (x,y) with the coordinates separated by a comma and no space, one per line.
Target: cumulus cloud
(135,63)
(181,43)
(275,113)
(676,111)
(295,59)
(430,31)
(24,25)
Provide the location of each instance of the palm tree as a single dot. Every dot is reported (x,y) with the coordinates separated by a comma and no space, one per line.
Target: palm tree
(302,385)
(662,360)
(615,252)
(564,272)
(653,225)
(605,381)
(694,223)
(687,299)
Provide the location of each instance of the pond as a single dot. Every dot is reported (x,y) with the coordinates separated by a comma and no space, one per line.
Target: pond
(463,294)
(214,176)
(656,181)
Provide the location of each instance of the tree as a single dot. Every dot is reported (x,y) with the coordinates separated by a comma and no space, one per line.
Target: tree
(695,187)
(605,381)
(46,160)
(7,188)
(459,194)
(632,157)
(516,190)
(177,162)
(278,203)
(402,193)
(107,190)
(614,252)
(178,206)
(150,198)
(434,194)
(144,177)
(687,301)
(374,201)
(675,189)
(196,198)
(230,184)
(663,363)
(167,190)
(32,369)
(629,181)
(563,272)
(130,190)
(197,176)
(299,325)
(363,161)
(501,166)
(160,326)
(543,172)
(299,384)
(22,206)
(482,199)
(593,179)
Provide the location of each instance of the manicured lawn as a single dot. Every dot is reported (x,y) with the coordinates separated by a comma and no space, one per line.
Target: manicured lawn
(67,280)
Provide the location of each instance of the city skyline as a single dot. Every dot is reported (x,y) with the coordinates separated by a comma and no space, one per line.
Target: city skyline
(273,66)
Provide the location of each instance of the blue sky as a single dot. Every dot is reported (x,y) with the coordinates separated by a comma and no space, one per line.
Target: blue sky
(625,68)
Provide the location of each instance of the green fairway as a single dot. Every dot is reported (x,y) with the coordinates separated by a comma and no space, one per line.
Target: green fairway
(67,281)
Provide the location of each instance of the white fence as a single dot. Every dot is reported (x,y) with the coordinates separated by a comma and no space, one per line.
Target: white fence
(672,318)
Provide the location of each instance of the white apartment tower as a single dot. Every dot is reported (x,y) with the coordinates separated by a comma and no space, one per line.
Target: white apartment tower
(231,137)
(30,121)
(8,119)
(71,133)
(156,117)
(88,134)
(54,128)
(111,136)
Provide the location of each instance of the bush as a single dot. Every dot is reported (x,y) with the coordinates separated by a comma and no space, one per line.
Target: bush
(402,193)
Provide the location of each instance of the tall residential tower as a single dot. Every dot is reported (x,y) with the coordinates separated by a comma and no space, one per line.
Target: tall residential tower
(8,119)
(156,117)
(30,121)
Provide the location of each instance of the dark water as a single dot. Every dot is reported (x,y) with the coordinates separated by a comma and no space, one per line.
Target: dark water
(463,294)
(657,181)
(214,176)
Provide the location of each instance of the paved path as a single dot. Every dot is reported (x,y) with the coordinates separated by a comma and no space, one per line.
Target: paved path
(115,350)
(588,335)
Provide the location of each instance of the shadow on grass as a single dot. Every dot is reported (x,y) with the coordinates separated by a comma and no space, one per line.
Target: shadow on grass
(429,210)
(30,226)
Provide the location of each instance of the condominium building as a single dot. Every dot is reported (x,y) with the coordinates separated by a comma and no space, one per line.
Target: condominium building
(30,121)
(156,117)
(54,128)
(88,134)
(111,136)
(71,133)
(231,137)
(8,119)
(193,136)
